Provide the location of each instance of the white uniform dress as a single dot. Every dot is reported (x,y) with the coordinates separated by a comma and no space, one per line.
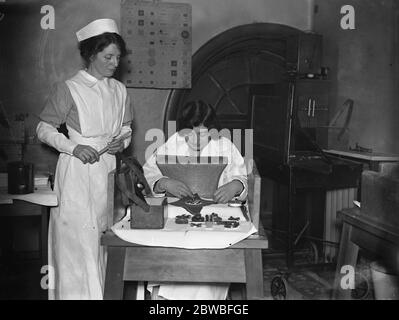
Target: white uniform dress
(235,169)
(77,223)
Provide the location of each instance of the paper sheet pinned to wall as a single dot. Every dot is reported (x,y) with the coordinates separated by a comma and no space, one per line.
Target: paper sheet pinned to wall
(159,43)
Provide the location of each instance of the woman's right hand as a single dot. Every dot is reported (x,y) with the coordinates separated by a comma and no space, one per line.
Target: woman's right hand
(86,154)
(174,187)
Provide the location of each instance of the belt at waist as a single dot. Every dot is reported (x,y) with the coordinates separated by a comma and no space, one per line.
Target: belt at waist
(97,143)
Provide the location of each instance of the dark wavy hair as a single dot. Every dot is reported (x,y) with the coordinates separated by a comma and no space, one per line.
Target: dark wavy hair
(91,46)
(195,113)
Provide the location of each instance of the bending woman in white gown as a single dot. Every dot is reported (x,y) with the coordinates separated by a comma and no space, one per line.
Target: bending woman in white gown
(194,139)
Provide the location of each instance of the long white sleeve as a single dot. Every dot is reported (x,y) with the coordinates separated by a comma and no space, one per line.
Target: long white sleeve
(125,130)
(50,135)
(152,174)
(236,170)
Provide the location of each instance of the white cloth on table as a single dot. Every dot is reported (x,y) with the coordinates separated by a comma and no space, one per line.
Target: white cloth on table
(42,195)
(186,237)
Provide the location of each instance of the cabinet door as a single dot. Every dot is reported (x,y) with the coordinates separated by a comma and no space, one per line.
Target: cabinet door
(312,103)
(304,110)
(319,110)
(270,120)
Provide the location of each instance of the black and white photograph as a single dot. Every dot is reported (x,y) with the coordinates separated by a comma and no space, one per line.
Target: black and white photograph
(224,153)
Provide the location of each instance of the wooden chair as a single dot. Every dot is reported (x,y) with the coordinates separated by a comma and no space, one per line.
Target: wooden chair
(254,195)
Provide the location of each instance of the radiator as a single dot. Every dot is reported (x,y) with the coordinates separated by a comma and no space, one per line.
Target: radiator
(336,200)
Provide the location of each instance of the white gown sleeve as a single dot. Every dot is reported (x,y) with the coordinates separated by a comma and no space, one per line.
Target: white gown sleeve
(153,174)
(127,121)
(50,135)
(126,130)
(236,170)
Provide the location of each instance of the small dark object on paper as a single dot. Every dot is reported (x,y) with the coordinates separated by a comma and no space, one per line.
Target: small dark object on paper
(215,217)
(234,218)
(197,218)
(231,224)
(183,219)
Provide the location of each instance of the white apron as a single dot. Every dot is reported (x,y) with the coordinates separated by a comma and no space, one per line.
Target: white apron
(77,223)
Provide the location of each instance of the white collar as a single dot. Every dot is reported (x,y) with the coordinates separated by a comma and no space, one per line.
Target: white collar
(90,80)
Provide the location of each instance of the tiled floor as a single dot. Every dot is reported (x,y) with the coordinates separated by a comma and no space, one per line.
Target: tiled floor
(22,281)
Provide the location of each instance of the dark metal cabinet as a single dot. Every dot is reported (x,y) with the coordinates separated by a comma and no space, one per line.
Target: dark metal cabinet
(311,98)
(312,106)
(304,53)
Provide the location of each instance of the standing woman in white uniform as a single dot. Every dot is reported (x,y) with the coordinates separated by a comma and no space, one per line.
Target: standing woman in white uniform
(96,110)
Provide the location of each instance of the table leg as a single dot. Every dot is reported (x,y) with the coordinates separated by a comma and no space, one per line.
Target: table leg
(254,274)
(44,236)
(348,252)
(114,285)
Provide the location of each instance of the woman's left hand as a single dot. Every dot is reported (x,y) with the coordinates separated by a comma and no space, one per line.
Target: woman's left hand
(228,191)
(115,146)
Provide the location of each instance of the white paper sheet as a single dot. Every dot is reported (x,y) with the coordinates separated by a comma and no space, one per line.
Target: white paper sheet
(185,236)
(42,195)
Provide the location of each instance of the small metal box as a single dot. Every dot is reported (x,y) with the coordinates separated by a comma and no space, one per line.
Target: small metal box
(154,218)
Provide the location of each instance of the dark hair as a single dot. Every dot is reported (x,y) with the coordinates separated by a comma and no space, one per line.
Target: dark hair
(94,45)
(195,113)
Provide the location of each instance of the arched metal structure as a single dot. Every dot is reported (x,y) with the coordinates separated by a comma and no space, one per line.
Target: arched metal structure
(225,68)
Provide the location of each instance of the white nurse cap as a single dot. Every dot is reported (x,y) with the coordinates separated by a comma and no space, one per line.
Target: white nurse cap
(96,28)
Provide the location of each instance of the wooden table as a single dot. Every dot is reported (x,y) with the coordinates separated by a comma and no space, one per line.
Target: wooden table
(240,263)
(360,232)
(371,161)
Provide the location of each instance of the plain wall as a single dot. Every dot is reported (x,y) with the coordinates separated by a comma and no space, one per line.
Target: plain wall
(364,67)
